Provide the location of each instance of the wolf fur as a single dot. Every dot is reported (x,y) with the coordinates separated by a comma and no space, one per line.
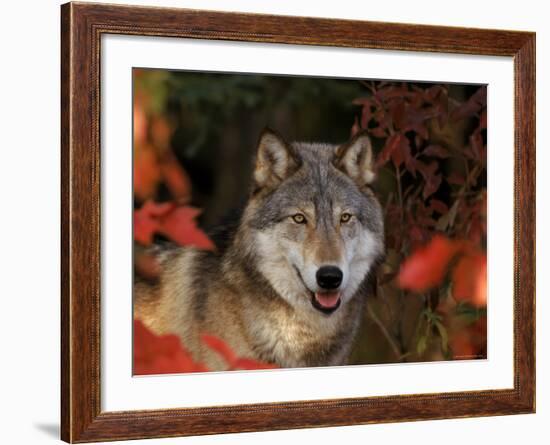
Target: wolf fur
(260,294)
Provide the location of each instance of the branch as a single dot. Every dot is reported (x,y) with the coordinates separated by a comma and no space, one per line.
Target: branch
(384,331)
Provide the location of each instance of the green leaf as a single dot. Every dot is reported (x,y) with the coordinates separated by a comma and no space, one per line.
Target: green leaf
(448,219)
(422,344)
(443,334)
(431,316)
(468,313)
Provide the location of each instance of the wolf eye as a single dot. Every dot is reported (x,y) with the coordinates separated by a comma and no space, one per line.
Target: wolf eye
(299,218)
(345,217)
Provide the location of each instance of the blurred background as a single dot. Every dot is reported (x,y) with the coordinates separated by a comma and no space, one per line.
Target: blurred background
(195,137)
(215,121)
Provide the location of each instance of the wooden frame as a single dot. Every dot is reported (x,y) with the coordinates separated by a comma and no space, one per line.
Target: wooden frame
(81,28)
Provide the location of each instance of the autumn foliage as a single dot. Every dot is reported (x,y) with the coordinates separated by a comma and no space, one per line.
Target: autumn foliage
(174,219)
(156,166)
(432,153)
(427,266)
(430,157)
(164,354)
(160,354)
(174,222)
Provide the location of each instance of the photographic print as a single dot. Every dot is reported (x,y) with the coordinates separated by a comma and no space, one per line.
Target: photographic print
(290,222)
(309,204)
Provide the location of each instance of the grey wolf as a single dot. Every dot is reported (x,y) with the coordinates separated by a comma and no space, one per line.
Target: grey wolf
(291,285)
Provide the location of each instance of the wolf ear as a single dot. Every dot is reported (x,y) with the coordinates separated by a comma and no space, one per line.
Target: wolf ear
(356,160)
(275,160)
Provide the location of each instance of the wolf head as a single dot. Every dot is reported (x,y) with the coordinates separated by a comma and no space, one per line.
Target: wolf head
(314,226)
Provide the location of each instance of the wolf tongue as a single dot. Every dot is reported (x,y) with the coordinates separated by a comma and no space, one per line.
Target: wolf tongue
(327,299)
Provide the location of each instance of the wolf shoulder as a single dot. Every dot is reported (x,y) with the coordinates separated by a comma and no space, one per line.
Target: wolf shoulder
(175,299)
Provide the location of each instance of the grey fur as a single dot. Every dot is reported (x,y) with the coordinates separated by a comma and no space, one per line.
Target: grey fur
(257,294)
(318,173)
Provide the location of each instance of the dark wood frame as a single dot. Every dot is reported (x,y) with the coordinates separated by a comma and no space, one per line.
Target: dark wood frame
(81,28)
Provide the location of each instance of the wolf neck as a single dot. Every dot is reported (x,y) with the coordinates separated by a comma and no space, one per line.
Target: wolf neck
(239,268)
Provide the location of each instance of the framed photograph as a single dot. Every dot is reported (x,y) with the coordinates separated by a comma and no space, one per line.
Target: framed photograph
(274,222)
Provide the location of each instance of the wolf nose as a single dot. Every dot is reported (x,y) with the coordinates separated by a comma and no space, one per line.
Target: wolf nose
(329,277)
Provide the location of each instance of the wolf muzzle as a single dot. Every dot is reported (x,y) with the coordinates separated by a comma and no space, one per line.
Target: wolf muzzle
(329,278)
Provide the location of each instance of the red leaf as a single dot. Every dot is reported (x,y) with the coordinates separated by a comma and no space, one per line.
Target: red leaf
(356,128)
(146,174)
(420,129)
(363,101)
(366,114)
(439,206)
(432,180)
(218,345)
(427,266)
(477,230)
(426,221)
(392,92)
(435,150)
(176,179)
(147,220)
(391,145)
(179,225)
(470,341)
(161,354)
(432,93)
(483,119)
(470,279)
(398,114)
(144,226)
(233,362)
(176,223)
(164,354)
(472,106)
(140,123)
(378,132)
(161,132)
(476,141)
(456,179)
(158,209)
(427,170)
(411,163)
(397,158)
(416,235)
(432,185)
(402,153)
(415,118)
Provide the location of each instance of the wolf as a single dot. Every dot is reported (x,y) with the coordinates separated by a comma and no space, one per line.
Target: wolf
(290,286)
